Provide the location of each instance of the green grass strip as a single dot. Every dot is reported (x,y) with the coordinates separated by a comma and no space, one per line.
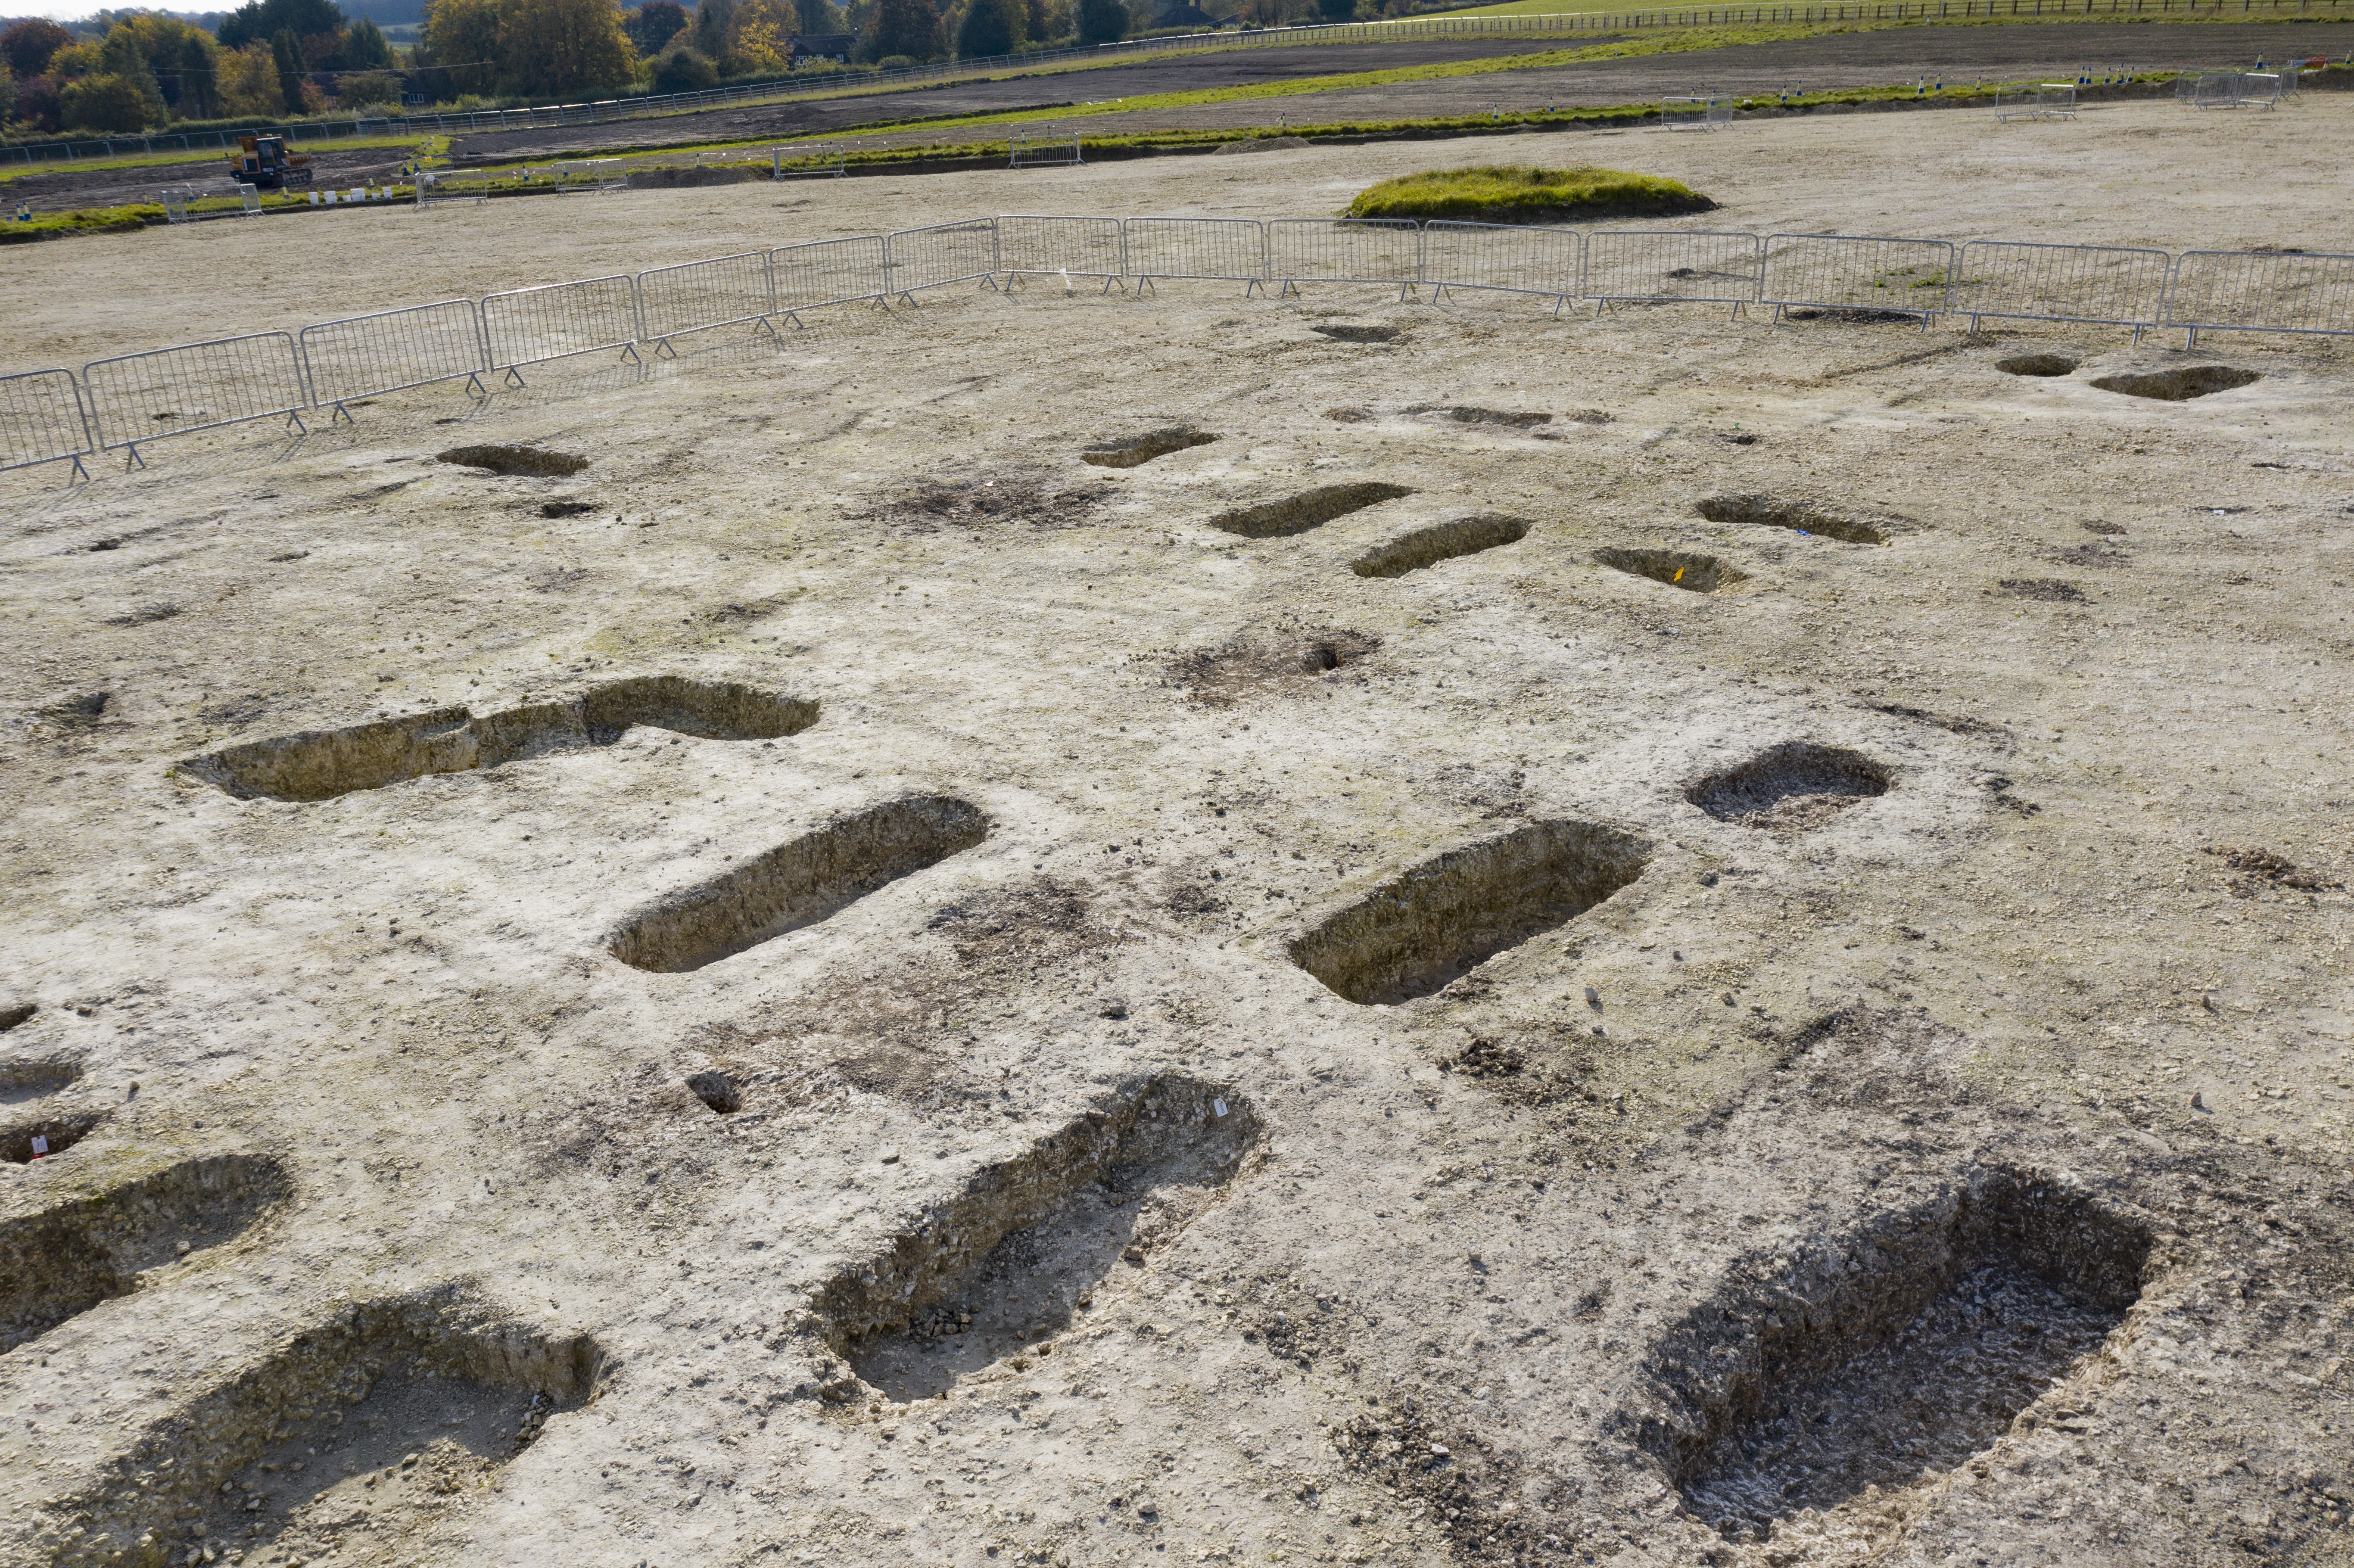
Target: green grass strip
(1521,193)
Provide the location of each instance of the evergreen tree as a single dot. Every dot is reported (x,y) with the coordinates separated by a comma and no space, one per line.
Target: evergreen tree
(199,79)
(263,19)
(366,49)
(286,49)
(910,27)
(989,27)
(1102,21)
(122,56)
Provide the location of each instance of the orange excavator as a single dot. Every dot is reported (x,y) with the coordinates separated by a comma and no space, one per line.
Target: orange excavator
(263,162)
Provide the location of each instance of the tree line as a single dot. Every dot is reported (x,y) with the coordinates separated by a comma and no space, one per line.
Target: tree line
(132,71)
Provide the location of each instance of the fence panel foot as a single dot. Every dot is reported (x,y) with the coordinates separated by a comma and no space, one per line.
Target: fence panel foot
(341,413)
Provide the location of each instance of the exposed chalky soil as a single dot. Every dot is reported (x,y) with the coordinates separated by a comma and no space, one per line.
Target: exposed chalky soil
(1775,1005)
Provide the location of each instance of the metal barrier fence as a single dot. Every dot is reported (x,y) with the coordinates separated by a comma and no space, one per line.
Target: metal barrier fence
(829,272)
(124,402)
(1696,111)
(940,254)
(391,351)
(1645,266)
(141,398)
(1068,247)
(700,295)
(43,419)
(1032,145)
(1855,272)
(1344,251)
(438,187)
(2247,291)
(1231,250)
(180,206)
(558,321)
(2036,101)
(576,174)
(807,158)
(2111,284)
(1502,257)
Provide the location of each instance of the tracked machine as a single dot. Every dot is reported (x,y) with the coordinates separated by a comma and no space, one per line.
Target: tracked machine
(263,162)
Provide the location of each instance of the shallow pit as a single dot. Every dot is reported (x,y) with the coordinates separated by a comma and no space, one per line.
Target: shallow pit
(1794,513)
(797,883)
(390,1415)
(53,1134)
(80,713)
(716,1090)
(1464,414)
(35,1077)
(1140,450)
(1677,568)
(1266,660)
(528,463)
(567,508)
(1793,787)
(1309,509)
(2037,365)
(18,1012)
(993,1273)
(318,764)
(1439,542)
(1360,334)
(1806,1388)
(2178,386)
(1424,927)
(63,1261)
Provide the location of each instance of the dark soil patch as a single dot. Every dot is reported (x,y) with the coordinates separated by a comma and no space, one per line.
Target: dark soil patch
(1793,787)
(1797,513)
(2051,591)
(2260,870)
(526,463)
(1815,1381)
(716,1090)
(1848,316)
(1427,927)
(1143,449)
(2100,553)
(1439,542)
(2178,386)
(1309,509)
(797,883)
(2036,365)
(1677,568)
(144,617)
(567,508)
(16,1013)
(988,502)
(2108,530)
(79,713)
(1464,415)
(1360,334)
(992,1274)
(1256,661)
(1350,415)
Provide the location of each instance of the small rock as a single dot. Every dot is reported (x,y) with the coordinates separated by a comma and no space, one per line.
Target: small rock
(180,1249)
(890,1157)
(1112,1007)
(1133,1253)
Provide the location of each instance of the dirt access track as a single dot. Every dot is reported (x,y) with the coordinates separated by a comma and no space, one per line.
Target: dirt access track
(1872,58)
(1080,931)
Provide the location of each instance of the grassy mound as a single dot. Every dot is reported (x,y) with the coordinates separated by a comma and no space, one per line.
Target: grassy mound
(1518,194)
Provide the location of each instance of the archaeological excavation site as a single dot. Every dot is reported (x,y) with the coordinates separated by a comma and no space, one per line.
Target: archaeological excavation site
(1121,912)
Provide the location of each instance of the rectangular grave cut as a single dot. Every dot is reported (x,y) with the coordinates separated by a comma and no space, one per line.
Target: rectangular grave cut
(1423,928)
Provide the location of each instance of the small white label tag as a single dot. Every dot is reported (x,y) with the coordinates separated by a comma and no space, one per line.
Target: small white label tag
(1219,1106)
(41,1145)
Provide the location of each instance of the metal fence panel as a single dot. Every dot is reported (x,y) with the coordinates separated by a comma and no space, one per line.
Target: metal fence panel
(1664,264)
(436,188)
(1518,259)
(700,295)
(829,272)
(572,174)
(1344,251)
(940,254)
(1233,248)
(807,158)
(2216,89)
(555,321)
(1084,247)
(1856,272)
(1034,145)
(139,397)
(390,351)
(1696,111)
(2256,291)
(2061,283)
(42,420)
